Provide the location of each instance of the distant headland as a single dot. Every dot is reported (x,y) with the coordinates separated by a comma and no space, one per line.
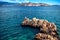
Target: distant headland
(25,4)
(33,4)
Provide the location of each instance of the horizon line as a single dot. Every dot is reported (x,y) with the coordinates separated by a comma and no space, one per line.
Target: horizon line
(30,2)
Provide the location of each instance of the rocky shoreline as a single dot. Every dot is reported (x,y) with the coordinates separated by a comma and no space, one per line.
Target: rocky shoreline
(48,31)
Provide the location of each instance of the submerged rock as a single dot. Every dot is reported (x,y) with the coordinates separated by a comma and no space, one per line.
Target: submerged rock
(48,31)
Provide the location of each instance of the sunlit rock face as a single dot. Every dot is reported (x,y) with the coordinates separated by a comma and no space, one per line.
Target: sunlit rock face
(48,31)
(42,36)
(43,24)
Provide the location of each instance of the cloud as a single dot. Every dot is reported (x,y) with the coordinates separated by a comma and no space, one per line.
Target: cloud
(26,0)
(15,1)
(18,1)
(12,0)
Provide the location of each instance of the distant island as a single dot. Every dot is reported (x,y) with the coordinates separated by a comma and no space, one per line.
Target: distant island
(24,4)
(33,4)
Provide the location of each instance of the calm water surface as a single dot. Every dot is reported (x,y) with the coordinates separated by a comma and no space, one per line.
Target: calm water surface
(11,18)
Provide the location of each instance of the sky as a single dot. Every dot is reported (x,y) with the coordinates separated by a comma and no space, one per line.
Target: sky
(52,2)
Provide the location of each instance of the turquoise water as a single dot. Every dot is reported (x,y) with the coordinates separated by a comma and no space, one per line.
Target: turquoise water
(11,18)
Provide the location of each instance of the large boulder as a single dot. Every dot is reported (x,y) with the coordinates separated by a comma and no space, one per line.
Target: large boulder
(34,20)
(39,23)
(26,21)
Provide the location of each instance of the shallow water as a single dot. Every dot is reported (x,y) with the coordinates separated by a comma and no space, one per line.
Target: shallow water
(11,18)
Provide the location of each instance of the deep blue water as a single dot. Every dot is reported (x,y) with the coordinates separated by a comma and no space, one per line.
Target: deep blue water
(11,18)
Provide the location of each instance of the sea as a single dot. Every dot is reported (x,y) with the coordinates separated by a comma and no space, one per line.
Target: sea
(11,18)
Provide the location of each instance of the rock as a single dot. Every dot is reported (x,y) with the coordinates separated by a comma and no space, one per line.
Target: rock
(26,21)
(39,23)
(48,31)
(44,30)
(53,27)
(34,20)
(53,33)
(42,36)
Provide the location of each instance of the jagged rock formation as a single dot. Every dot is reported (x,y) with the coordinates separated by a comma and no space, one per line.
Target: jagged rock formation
(48,31)
(42,36)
